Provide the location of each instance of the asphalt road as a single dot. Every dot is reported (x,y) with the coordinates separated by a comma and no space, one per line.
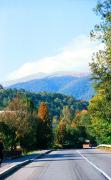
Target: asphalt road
(87,164)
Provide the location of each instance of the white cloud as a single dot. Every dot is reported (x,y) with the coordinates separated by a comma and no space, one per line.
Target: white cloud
(74,57)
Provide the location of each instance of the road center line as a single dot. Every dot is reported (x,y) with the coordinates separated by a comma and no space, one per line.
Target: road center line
(101,171)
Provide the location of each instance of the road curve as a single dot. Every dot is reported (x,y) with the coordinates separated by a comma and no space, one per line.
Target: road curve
(67,165)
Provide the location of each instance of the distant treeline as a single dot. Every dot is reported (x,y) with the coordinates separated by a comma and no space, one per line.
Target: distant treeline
(54,101)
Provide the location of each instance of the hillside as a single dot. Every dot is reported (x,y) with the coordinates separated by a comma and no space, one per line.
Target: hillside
(55,101)
(79,87)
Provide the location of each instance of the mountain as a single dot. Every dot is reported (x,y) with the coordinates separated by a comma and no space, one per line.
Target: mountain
(76,85)
(24,79)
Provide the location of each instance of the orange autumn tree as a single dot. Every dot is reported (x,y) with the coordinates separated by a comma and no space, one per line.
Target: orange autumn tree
(44,130)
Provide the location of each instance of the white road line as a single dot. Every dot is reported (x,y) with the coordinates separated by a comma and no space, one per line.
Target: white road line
(101,171)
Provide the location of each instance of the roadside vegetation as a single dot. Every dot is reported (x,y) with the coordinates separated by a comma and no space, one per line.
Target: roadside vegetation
(100,105)
(40,121)
(32,123)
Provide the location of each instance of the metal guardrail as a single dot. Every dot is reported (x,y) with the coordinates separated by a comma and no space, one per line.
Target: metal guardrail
(104,145)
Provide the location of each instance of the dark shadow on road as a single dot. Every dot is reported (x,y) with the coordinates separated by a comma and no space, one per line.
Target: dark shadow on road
(60,157)
(67,159)
(28,167)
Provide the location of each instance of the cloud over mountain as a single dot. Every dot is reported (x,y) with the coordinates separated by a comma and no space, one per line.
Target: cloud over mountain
(74,57)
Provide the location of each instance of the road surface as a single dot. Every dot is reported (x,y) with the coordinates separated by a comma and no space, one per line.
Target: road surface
(87,164)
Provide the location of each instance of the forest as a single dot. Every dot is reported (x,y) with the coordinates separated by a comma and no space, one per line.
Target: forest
(21,117)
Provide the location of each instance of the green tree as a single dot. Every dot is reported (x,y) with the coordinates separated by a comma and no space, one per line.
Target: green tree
(101,64)
(67,114)
(17,120)
(100,122)
(61,133)
(101,73)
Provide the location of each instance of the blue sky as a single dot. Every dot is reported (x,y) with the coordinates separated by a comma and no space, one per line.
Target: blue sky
(33,30)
